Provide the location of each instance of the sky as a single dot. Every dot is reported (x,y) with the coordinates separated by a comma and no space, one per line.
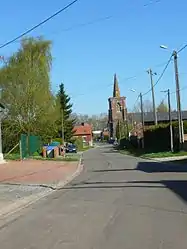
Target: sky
(118,36)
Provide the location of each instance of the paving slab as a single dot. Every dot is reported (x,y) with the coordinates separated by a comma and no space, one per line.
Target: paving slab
(24,182)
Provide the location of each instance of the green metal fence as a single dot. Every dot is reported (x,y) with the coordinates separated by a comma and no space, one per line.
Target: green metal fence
(29,145)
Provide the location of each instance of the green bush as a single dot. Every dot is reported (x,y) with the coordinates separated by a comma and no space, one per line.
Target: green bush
(36,153)
(78,143)
(157,138)
(58,139)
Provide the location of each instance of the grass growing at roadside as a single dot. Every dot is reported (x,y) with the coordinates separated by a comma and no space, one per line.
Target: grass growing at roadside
(165,154)
(67,158)
(87,148)
(142,153)
(12,156)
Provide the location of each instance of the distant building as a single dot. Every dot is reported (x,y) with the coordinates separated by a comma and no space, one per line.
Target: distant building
(96,133)
(84,131)
(162,117)
(117,109)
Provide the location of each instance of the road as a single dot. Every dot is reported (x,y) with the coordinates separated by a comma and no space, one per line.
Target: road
(117,202)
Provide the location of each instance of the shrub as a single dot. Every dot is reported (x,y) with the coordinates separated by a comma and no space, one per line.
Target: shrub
(78,143)
(58,139)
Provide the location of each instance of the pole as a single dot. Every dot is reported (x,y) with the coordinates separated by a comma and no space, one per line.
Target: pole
(170,121)
(142,119)
(153,96)
(1,150)
(62,126)
(119,124)
(178,99)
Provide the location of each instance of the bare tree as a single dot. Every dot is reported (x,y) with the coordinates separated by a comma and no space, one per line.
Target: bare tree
(147,106)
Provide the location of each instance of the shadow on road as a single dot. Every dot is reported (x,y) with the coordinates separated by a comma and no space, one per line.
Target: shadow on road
(179,187)
(154,167)
(176,186)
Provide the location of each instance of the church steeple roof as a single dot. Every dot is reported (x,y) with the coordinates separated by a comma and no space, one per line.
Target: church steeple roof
(116,91)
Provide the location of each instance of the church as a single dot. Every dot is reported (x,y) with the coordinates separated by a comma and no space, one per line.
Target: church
(117,109)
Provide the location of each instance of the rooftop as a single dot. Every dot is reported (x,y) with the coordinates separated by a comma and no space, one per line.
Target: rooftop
(161,116)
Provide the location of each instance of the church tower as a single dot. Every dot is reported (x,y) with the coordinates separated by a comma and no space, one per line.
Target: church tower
(117,109)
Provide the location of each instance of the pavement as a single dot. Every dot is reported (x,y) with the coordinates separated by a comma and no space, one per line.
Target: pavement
(24,182)
(117,202)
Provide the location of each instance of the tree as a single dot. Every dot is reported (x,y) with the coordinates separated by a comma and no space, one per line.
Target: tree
(162,107)
(147,106)
(64,122)
(26,90)
(98,122)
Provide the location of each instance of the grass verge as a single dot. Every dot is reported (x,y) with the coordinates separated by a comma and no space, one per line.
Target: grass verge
(68,158)
(142,153)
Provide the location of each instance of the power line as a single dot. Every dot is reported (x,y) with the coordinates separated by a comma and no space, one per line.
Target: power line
(68,29)
(182,89)
(152,2)
(39,24)
(181,49)
(80,25)
(161,75)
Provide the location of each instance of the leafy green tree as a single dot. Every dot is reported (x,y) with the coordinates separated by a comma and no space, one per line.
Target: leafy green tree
(65,122)
(162,107)
(26,90)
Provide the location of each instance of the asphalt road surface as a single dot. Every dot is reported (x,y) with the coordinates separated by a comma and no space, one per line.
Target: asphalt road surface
(118,202)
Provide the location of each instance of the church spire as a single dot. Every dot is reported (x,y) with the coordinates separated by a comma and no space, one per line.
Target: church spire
(116,92)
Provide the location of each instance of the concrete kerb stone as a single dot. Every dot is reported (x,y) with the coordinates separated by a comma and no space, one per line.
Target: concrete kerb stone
(159,160)
(165,162)
(79,169)
(27,201)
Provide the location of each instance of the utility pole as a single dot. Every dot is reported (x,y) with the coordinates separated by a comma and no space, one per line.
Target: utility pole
(175,55)
(153,95)
(1,112)
(62,125)
(142,119)
(170,119)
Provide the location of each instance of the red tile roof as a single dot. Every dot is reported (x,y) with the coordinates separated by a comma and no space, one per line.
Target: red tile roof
(82,130)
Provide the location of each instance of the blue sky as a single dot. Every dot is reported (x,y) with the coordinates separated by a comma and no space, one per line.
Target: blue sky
(85,58)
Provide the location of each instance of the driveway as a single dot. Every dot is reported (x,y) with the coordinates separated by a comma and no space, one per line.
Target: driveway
(117,202)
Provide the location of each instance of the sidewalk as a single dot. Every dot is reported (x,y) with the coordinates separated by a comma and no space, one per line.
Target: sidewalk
(24,182)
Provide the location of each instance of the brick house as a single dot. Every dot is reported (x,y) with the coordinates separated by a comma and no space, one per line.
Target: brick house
(85,132)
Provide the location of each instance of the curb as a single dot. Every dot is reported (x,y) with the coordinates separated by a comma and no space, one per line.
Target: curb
(152,159)
(27,201)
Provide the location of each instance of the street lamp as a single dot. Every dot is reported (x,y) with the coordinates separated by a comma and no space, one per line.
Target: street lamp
(163,47)
(175,56)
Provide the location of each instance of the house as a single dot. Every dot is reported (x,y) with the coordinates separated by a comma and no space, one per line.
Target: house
(85,132)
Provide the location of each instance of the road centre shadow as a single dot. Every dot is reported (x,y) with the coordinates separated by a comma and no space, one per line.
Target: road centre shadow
(177,186)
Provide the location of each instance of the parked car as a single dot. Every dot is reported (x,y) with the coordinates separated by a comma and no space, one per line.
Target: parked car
(71,148)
